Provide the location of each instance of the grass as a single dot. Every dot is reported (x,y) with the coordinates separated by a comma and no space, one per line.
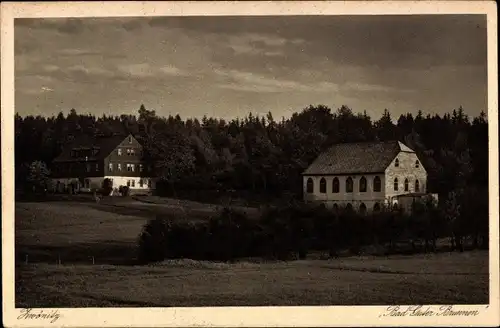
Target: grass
(74,232)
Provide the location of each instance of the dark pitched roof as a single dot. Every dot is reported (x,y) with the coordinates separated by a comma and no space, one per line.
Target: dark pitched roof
(351,158)
(103,144)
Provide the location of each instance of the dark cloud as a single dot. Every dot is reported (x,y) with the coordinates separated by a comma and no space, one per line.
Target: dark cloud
(421,40)
(403,63)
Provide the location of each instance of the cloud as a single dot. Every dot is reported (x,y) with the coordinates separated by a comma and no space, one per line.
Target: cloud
(365,87)
(77,52)
(173,71)
(260,44)
(143,70)
(247,81)
(62,25)
(136,70)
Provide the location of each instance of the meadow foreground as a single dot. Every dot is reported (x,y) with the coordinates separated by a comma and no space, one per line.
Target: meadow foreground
(92,243)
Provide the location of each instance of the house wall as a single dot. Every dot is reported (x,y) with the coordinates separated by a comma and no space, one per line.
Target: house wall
(342,198)
(78,169)
(96,183)
(406,170)
(114,158)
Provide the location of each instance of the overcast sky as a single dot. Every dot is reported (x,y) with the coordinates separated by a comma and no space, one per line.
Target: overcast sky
(229,66)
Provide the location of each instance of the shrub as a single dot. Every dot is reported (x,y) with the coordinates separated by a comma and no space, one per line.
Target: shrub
(107,187)
(153,241)
(231,234)
(124,190)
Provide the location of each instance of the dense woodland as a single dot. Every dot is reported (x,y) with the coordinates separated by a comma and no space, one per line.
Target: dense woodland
(261,155)
(258,155)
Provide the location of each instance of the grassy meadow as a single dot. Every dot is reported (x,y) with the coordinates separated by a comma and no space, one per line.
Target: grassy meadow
(78,253)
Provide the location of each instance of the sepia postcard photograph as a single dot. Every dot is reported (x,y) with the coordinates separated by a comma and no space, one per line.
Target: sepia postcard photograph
(250,164)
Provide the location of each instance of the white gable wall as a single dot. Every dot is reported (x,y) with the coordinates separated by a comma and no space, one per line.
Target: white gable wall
(406,170)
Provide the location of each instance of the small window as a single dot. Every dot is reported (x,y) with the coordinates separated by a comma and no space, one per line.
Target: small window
(149,183)
(119,166)
(396,184)
(119,151)
(406,185)
(396,163)
(377,184)
(417,164)
(310,185)
(141,167)
(88,167)
(141,183)
(110,167)
(335,185)
(322,186)
(349,185)
(132,167)
(362,185)
(97,167)
(133,183)
(417,185)
(128,151)
(132,151)
(129,139)
(128,183)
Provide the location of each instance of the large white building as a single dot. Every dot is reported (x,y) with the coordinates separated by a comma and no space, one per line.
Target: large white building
(364,176)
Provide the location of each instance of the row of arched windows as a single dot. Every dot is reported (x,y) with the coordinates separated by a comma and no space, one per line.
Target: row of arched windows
(362,207)
(349,185)
(406,185)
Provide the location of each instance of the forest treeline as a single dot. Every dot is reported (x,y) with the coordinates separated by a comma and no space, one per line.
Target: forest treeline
(259,154)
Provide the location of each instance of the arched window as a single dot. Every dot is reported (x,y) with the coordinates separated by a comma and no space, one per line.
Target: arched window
(335,208)
(396,163)
(406,184)
(310,185)
(362,184)
(349,185)
(417,185)
(417,163)
(335,185)
(395,184)
(377,184)
(348,207)
(362,208)
(376,207)
(322,186)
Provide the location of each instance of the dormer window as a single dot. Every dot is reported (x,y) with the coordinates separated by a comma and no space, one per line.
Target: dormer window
(417,164)
(119,151)
(396,163)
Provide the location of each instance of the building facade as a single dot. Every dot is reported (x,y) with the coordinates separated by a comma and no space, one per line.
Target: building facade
(88,161)
(364,176)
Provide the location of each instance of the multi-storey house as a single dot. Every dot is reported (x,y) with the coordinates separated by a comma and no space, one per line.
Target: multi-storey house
(365,176)
(87,161)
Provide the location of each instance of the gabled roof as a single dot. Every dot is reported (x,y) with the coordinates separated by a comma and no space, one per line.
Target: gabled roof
(353,158)
(103,144)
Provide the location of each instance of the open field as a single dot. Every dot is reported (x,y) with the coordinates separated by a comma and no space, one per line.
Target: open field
(75,232)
